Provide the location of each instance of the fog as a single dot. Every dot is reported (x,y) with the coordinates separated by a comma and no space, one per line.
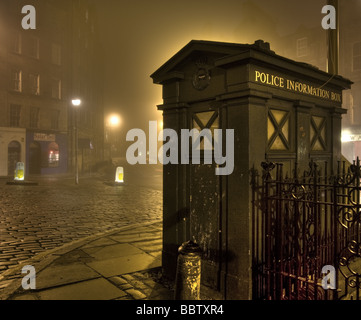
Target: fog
(137,37)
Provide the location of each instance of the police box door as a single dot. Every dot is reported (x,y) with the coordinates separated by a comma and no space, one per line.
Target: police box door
(204,188)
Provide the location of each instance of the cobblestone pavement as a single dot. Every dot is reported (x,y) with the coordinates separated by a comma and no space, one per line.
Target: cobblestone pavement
(34,219)
(120,265)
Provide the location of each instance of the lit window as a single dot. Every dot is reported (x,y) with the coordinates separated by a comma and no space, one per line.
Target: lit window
(278,130)
(16,78)
(356,56)
(318,133)
(53,155)
(15,115)
(302,47)
(34,80)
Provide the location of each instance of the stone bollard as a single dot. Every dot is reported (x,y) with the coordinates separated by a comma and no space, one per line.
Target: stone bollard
(188,276)
(119,175)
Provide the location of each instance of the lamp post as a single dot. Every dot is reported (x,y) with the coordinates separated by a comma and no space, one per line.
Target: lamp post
(76,103)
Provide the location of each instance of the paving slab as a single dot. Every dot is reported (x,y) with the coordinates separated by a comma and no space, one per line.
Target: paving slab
(100,242)
(149,247)
(64,274)
(156,254)
(26,297)
(123,265)
(138,230)
(98,289)
(112,251)
(136,237)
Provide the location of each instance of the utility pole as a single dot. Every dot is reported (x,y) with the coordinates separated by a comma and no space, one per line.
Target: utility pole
(333,42)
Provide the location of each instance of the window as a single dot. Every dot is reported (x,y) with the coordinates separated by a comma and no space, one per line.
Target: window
(34,47)
(302,47)
(53,155)
(318,133)
(55,119)
(15,115)
(278,130)
(34,80)
(56,54)
(15,42)
(16,79)
(56,89)
(34,117)
(356,56)
(206,120)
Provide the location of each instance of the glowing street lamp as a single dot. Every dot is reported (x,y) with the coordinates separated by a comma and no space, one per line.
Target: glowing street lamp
(76,103)
(113,122)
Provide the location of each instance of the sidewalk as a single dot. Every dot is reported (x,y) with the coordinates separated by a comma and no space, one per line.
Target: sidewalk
(120,265)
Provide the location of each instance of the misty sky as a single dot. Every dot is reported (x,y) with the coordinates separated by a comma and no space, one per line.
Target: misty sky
(138,36)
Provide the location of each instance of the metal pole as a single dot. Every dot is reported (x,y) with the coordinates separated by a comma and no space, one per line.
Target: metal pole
(76,147)
(333,42)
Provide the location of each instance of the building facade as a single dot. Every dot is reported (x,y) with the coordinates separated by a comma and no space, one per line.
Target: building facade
(350,66)
(38,76)
(309,45)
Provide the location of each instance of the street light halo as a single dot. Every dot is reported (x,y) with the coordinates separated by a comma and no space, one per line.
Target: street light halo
(76,102)
(114,120)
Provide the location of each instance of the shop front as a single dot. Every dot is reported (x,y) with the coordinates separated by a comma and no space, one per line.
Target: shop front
(46,153)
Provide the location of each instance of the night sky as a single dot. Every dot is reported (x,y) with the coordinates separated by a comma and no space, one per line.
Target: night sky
(138,36)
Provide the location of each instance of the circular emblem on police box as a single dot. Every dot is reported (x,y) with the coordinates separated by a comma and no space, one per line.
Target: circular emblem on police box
(201,78)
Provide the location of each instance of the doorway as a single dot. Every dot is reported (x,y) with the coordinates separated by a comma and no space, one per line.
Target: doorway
(14,156)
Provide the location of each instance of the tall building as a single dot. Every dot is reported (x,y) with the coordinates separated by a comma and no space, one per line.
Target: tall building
(309,45)
(41,71)
(350,66)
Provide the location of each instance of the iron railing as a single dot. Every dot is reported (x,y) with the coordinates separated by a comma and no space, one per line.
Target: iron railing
(301,224)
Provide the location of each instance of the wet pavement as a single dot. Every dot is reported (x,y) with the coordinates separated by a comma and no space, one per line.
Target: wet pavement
(118,265)
(35,219)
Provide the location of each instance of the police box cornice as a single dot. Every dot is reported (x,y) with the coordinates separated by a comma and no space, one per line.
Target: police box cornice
(315,82)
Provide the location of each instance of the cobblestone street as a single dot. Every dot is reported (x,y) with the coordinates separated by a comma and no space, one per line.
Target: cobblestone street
(34,219)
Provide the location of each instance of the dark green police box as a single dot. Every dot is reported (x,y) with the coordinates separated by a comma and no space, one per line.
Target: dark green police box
(280,111)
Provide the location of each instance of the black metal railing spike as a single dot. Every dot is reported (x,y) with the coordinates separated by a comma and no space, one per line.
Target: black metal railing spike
(267,168)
